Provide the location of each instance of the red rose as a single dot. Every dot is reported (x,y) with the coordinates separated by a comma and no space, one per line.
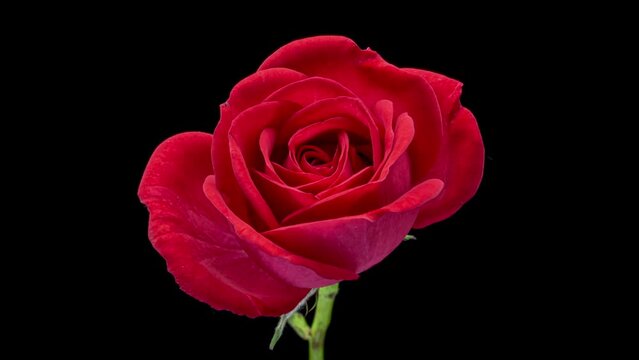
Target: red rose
(321,162)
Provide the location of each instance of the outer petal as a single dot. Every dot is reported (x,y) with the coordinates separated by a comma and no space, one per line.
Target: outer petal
(310,90)
(447,90)
(465,169)
(199,246)
(295,269)
(357,242)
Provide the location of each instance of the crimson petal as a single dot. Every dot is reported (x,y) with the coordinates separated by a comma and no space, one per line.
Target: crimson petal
(295,269)
(464,170)
(200,248)
(248,92)
(357,242)
(371,78)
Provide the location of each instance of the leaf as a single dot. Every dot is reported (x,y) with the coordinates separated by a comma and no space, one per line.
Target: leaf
(409,237)
(279,329)
(281,324)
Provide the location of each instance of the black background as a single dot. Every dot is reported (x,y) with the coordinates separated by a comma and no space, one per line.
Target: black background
(453,290)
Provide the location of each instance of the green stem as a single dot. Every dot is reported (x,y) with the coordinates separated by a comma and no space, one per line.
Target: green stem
(321,321)
(298,323)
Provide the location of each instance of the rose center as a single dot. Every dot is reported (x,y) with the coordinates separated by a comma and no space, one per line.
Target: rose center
(315,158)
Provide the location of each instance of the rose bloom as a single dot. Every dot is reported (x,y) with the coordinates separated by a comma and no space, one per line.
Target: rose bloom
(321,163)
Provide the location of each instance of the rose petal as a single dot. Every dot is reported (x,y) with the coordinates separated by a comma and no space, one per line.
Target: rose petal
(390,181)
(359,178)
(402,138)
(200,249)
(246,93)
(243,137)
(310,153)
(255,88)
(282,198)
(310,90)
(295,269)
(353,127)
(357,132)
(358,200)
(447,90)
(267,144)
(464,173)
(295,178)
(314,52)
(281,176)
(372,79)
(355,157)
(384,115)
(342,169)
(357,242)
(347,107)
